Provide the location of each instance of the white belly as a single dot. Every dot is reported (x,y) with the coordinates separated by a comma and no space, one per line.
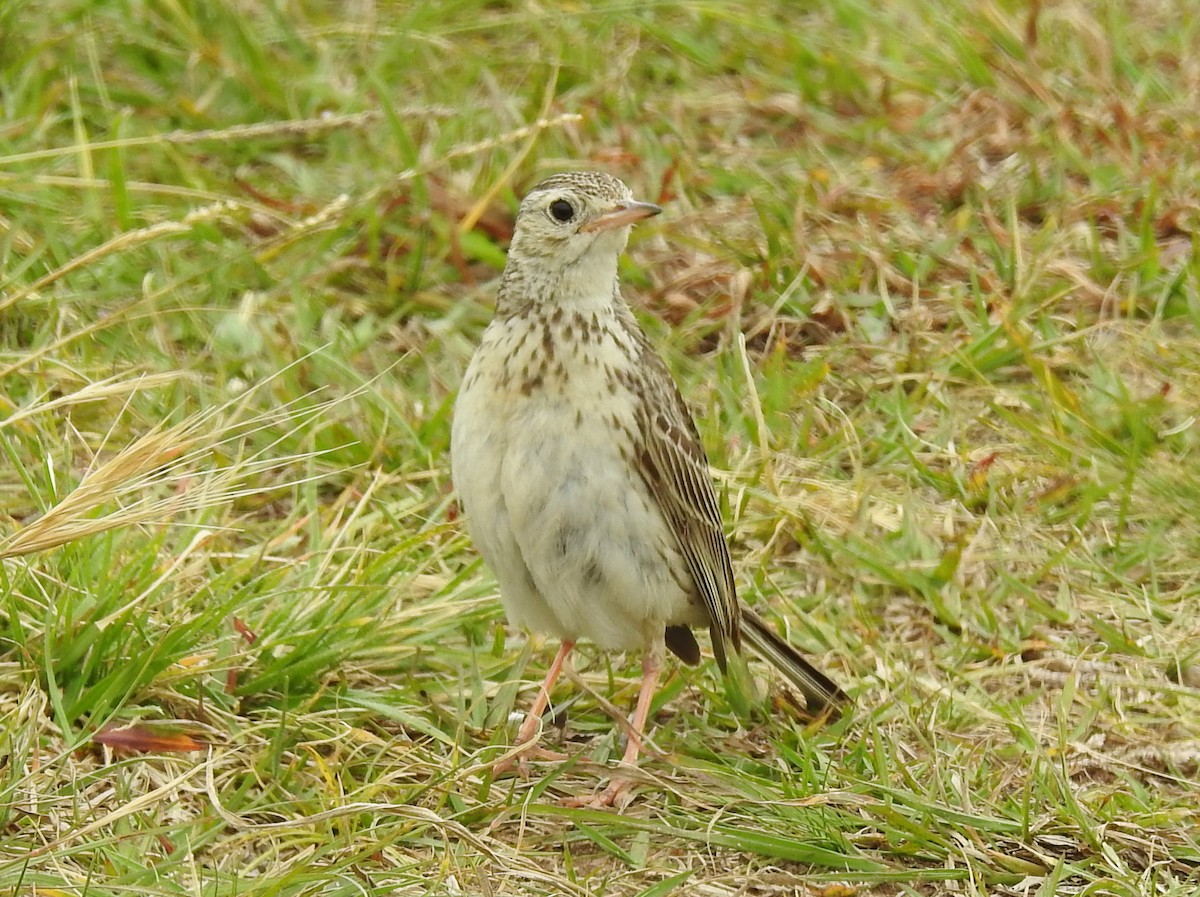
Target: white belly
(576,542)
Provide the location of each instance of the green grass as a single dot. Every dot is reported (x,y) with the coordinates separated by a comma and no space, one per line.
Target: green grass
(245,253)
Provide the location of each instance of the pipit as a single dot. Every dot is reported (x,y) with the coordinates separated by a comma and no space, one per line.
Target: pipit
(579,469)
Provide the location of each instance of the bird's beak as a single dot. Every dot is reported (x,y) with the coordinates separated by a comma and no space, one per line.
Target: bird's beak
(624,213)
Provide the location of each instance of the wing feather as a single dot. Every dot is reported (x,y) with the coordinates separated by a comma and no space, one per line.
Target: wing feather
(672,463)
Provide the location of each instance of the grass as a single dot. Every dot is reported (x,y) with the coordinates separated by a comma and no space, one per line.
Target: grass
(247,250)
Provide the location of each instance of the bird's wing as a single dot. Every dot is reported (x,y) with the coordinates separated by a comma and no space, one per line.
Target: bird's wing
(672,463)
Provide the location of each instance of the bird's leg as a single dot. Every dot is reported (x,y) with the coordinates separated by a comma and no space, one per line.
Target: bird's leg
(528,734)
(532,723)
(651,666)
(621,783)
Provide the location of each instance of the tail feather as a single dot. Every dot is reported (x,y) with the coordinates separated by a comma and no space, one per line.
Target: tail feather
(821,694)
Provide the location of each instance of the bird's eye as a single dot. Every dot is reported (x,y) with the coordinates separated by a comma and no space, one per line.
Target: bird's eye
(562,211)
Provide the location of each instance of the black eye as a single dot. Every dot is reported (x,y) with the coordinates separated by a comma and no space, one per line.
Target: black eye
(562,211)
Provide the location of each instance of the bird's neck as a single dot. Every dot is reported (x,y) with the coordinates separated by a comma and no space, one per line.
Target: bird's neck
(588,285)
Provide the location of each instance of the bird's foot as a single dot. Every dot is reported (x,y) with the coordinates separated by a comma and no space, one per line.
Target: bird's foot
(619,794)
(520,760)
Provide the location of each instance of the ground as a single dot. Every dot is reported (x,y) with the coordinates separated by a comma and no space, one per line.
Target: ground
(927,274)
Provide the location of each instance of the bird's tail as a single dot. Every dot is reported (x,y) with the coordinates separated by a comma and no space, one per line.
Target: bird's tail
(821,694)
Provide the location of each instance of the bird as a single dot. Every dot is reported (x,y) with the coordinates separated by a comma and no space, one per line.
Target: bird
(580,472)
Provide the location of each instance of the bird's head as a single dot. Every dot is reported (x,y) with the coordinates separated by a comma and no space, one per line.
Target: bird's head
(572,227)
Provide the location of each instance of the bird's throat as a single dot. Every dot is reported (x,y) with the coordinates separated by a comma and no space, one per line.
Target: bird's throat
(588,284)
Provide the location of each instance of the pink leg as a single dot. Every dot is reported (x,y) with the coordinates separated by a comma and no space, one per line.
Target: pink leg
(651,666)
(620,785)
(530,727)
(533,719)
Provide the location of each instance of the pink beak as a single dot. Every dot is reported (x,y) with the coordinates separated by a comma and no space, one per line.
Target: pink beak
(626,212)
